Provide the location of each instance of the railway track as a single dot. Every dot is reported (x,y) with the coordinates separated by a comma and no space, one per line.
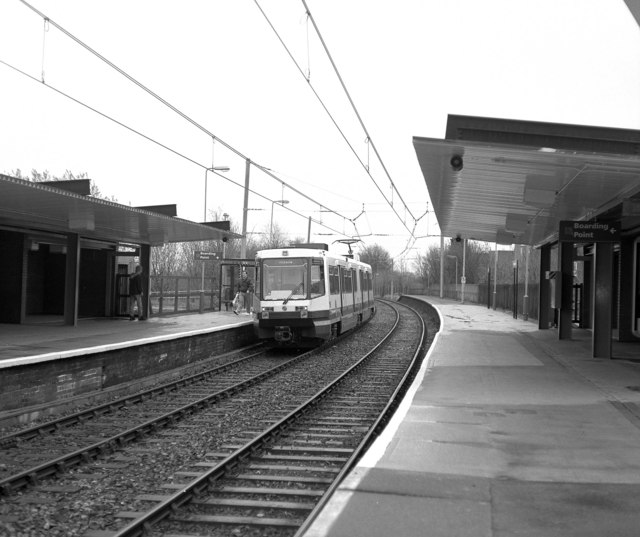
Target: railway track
(44,449)
(277,481)
(216,448)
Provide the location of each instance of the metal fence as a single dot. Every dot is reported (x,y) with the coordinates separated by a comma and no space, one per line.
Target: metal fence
(183,294)
(506,297)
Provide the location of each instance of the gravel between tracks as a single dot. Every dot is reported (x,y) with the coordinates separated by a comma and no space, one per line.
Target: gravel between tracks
(89,497)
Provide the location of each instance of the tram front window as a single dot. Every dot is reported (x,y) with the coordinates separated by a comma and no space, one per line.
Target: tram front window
(284,279)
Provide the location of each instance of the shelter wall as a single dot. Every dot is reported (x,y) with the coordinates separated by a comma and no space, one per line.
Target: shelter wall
(11,276)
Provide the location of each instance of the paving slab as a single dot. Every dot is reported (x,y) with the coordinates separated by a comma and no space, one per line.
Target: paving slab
(506,431)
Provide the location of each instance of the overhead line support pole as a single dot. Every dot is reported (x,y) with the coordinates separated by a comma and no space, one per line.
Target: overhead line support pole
(245,210)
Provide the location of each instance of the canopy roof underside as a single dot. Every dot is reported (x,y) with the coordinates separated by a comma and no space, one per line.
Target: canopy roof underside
(509,186)
(39,207)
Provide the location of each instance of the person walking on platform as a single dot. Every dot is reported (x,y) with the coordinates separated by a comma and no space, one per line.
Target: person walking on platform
(135,294)
(245,286)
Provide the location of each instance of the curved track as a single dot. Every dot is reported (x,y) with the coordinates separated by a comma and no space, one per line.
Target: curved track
(264,456)
(279,479)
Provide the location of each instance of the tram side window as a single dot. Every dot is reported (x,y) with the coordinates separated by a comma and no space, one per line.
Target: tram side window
(334,284)
(317,278)
(636,299)
(354,273)
(348,287)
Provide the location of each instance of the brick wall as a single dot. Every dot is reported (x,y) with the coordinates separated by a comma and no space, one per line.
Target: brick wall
(57,380)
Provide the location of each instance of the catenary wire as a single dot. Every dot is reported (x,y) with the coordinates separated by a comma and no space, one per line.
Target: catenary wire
(160,144)
(266,170)
(355,110)
(365,166)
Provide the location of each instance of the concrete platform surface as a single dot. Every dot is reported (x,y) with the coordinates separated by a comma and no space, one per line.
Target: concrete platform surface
(41,341)
(506,431)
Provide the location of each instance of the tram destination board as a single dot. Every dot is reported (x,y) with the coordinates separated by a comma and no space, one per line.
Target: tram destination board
(571,231)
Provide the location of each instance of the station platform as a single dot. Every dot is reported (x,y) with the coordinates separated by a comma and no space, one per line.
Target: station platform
(44,339)
(46,366)
(506,431)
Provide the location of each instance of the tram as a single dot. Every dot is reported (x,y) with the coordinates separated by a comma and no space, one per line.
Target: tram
(307,295)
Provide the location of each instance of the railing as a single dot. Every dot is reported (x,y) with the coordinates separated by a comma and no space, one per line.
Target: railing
(504,296)
(183,294)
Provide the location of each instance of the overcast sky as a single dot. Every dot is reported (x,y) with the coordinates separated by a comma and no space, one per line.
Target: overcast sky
(406,64)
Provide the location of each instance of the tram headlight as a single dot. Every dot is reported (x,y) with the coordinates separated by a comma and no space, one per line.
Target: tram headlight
(304,312)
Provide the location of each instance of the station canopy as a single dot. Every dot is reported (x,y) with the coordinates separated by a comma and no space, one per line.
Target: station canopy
(512,182)
(32,206)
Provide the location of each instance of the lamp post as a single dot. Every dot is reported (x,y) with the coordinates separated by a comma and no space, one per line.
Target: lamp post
(224,242)
(281,202)
(454,257)
(515,286)
(213,169)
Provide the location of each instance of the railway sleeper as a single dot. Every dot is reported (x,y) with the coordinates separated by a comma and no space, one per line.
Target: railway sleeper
(264,504)
(239,521)
(229,489)
(284,478)
(290,468)
(302,458)
(309,450)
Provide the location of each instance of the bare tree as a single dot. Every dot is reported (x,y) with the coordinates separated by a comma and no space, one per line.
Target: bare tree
(376,256)
(68,175)
(166,260)
(275,238)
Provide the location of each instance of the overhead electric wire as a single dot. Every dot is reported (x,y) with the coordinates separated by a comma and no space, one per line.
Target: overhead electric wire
(160,144)
(366,167)
(267,171)
(355,110)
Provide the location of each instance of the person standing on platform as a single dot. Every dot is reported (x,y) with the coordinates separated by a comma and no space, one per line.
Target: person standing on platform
(245,286)
(135,294)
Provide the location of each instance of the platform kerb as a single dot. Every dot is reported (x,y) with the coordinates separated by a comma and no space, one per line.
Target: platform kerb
(92,370)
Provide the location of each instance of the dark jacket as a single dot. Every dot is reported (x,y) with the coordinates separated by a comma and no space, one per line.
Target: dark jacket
(245,285)
(135,284)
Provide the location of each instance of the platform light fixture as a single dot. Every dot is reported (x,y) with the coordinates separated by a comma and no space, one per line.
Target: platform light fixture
(280,202)
(213,169)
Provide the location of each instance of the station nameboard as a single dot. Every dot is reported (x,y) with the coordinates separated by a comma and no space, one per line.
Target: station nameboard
(571,231)
(205,256)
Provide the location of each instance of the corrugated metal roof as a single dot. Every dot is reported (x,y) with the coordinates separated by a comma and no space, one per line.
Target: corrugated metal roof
(516,194)
(41,207)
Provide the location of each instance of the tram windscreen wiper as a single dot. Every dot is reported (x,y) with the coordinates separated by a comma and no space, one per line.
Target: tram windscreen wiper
(293,291)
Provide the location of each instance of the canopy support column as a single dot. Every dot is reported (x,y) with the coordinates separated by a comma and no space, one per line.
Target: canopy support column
(603,285)
(72,279)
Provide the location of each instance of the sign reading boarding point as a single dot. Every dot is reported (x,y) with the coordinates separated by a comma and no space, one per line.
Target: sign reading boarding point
(589,231)
(205,256)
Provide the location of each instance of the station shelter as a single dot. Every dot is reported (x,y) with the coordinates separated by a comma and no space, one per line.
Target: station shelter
(66,254)
(230,275)
(572,191)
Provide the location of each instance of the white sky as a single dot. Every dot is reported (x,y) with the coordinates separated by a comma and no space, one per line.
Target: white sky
(407,64)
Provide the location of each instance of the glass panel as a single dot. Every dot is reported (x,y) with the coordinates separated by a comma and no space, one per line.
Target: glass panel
(284,279)
(317,278)
(636,296)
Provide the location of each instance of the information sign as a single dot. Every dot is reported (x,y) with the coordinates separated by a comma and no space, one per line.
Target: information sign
(571,231)
(205,256)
